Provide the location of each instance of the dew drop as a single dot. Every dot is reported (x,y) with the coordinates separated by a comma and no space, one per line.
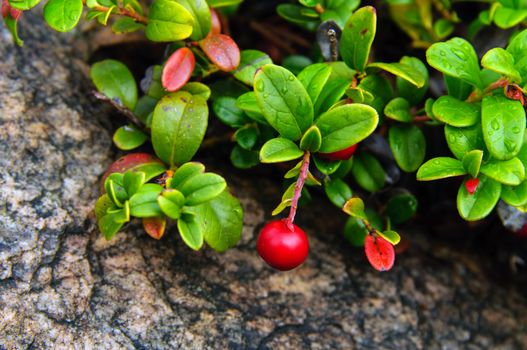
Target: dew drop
(265,95)
(260,85)
(516,130)
(495,124)
(459,53)
(291,77)
(510,145)
(452,138)
(284,89)
(442,53)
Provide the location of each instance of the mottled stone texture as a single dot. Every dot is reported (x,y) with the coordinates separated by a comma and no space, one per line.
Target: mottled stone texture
(62,286)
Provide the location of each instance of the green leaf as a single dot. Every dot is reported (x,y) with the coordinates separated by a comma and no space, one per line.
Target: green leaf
(114,79)
(368,172)
(503,123)
(171,201)
(196,88)
(12,26)
(328,167)
(247,102)
(518,46)
(314,78)
(295,63)
(201,17)
(355,231)
(355,207)
(247,136)
(185,173)
(223,3)
(113,221)
(23,4)
(476,206)
(407,90)
(279,150)
(357,37)
(129,137)
(398,109)
(63,15)
(440,168)
(338,192)
(472,162)
(515,195)
(508,172)
(345,126)
(402,70)
(244,159)
(457,58)
(225,109)
(509,17)
(286,199)
(191,231)
(443,28)
(143,204)
(221,221)
(457,88)
(250,62)
(380,88)
(202,188)
(408,146)
(463,140)
(126,25)
(113,185)
(103,204)
(178,127)
(391,236)
(401,208)
(452,111)
(168,21)
(283,101)
(293,13)
(502,62)
(133,181)
(333,91)
(312,139)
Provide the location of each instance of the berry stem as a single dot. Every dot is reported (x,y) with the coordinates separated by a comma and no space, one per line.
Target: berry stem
(304,168)
(123,11)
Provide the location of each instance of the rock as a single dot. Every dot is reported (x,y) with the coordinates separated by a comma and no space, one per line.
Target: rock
(63,286)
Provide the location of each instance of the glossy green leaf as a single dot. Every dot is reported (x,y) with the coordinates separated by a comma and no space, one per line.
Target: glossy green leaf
(440,168)
(327,167)
(443,28)
(338,192)
(355,207)
(113,221)
(357,37)
(312,140)
(472,162)
(279,150)
(197,88)
(225,109)
(168,21)
(345,126)
(408,146)
(380,88)
(503,123)
(518,46)
(401,208)
(247,136)
(287,197)
(501,62)
(129,137)
(457,88)
(143,204)
(247,103)
(508,172)
(171,201)
(333,91)
(63,15)
(515,195)
(505,17)
(391,236)
(202,188)
(223,3)
(457,58)
(178,127)
(185,173)
(191,231)
(24,4)
(398,109)
(250,62)
(463,140)
(355,231)
(201,17)
(12,26)
(452,111)
(283,101)
(244,159)
(221,221)
(401,70)
(126,25)
(133,181)
(294,13)
(314,78)
(476,206)
(407,90)
(368,172)
(114,79)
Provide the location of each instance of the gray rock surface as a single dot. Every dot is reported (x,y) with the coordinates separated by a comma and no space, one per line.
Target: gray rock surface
(62,286)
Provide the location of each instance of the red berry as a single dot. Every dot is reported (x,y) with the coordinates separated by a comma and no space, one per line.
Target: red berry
(471,185)
(344,154)
(282,248)
(178,69)
(380,252)
(522,232)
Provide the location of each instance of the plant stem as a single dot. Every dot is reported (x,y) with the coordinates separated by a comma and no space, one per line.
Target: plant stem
(123,12)
(304,168)
(123,110)
(475,96)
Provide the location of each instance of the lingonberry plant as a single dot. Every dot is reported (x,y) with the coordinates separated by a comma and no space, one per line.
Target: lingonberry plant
(337,119)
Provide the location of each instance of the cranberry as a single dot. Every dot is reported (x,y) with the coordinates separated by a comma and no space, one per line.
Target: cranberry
(471,185)
(281,247)
(344,154)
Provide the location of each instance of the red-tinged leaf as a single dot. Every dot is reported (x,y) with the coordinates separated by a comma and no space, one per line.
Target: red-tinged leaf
(130,162)
(155,227)
(471,185)
(380,252)
(178,69)
(5,8)
(216,22)
(222,51)
(15,14)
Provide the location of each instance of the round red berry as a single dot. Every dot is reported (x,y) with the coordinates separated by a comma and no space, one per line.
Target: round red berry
(282,247)
(344,154)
